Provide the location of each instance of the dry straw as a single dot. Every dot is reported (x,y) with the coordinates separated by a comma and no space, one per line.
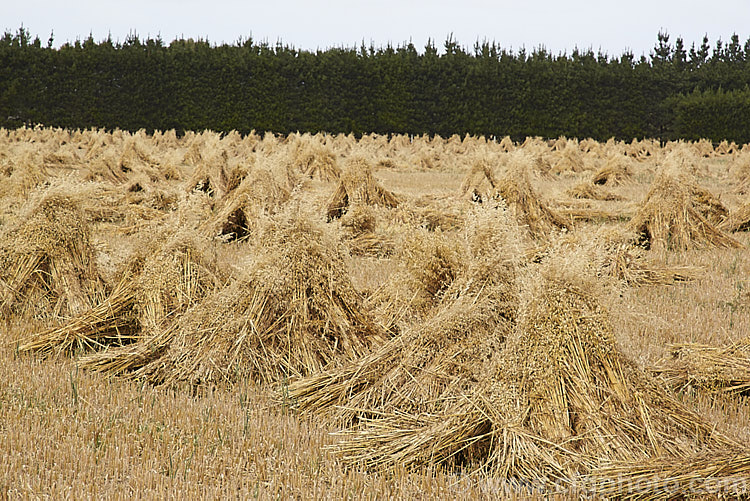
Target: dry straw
(726,148)
(644,149)
(20,175)
(293,312)
(741,172)
(428,263)
(612,254)
(550,399)
(507,145)
(237,215)
(433,212)
(434,359)
(316,161)
(677,214)
(159,284)
(211,175)
(515,188)
(163,281)
(480,184)
(569,161)
(724,370)
(358,186)
(361,233)
(592,192)
(47,266)
(108,322)
(713,474)
(615,171)
(738,220)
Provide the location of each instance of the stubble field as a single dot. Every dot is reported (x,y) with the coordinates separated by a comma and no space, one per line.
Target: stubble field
(321,317)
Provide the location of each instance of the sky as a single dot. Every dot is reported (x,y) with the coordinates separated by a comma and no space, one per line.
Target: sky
(610,26)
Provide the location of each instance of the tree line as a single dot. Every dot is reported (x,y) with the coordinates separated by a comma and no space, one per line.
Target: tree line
(676,92)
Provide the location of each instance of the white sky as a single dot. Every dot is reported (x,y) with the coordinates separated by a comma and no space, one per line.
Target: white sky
(612,26)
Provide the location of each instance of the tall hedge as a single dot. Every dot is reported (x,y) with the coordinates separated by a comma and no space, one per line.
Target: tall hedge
(713,114)
(676,92)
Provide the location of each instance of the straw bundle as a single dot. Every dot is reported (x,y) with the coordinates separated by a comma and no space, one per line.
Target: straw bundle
(317,162)
(703,148)
(522,200)
(360,235)
(432,262)
(109,322)
(675,215)
(105,167)
(210,176)
(628,264)
(237,215)
(426,265)
(507,144)
(714,369)
(172,278)
(614,172)
(592,192)
(105,163)
(480,183)
(158,285)
(708,205)
(542,166)
(418,369)
(166,283)
(612,254)
(641,150)
(47,266)
(713,474)
(559,144)
(554,404)
(20,176)
(294,312)
(358,186)
(61,159)
(589,145)
(197,143)
(588,213)
(570,161)
(136,158)
(726,148)
(738,220)
(433,212)
(741,172)
(429,361)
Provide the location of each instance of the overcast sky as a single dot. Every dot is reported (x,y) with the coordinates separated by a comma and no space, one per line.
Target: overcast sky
(612,26)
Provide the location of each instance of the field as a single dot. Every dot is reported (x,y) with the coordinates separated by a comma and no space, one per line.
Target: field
(322,316)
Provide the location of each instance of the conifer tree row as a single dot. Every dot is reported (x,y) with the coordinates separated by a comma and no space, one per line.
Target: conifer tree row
(701,91)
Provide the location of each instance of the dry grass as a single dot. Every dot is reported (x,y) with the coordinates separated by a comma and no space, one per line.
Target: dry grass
(472,302)
(424,346)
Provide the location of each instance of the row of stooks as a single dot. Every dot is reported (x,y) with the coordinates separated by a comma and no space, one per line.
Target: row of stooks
(488,353)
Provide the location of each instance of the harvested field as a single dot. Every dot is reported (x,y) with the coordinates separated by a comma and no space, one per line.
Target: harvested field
(320,316)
